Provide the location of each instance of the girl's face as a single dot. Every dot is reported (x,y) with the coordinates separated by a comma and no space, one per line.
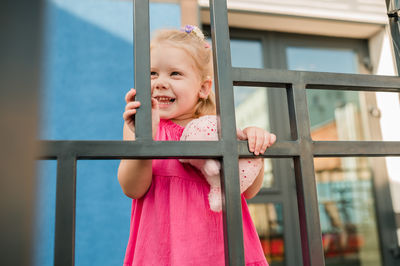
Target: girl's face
(176,83)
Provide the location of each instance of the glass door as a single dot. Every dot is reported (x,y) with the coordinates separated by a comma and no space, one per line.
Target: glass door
(344,185)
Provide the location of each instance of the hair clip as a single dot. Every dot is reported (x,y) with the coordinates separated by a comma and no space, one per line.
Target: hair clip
(196,31)
(188,28)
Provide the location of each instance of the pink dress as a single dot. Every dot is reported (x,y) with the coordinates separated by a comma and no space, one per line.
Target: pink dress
(172,224)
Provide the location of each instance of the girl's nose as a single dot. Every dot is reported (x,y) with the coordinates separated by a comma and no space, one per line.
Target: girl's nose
(160,84)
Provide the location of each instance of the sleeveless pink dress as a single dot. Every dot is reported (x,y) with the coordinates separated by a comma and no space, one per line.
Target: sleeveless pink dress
(172,224)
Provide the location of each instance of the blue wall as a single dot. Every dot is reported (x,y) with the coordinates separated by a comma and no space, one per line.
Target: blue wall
(88,70)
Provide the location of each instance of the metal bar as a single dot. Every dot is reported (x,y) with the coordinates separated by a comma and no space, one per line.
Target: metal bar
(310,229)
(232,211)
(352,82)
(256,77)
(132,149)
(279,122)
(293,122)
(209,149)
(314,80)
(141,33)
(157,149)
(291,220)
(392,8)
(64,248)
(293,254)
(281,149)
(356,148)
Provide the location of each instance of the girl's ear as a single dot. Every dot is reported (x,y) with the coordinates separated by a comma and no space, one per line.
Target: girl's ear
(205,89)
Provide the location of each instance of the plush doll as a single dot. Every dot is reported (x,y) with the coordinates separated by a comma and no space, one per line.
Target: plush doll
(205,128)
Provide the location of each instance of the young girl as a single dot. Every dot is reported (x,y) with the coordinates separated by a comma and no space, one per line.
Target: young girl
(171,222)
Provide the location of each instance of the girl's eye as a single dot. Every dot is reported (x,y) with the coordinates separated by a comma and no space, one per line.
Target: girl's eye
(175,73)
(153,73)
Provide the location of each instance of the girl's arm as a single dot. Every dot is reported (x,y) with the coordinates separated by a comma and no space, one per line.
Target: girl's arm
(134,176)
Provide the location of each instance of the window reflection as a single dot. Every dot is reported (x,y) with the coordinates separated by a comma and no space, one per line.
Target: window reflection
(347,214)
(267,219)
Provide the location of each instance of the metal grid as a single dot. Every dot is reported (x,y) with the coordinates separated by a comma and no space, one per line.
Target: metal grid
(302,148)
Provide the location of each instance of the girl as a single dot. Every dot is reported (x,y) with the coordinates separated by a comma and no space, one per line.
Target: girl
(171,222)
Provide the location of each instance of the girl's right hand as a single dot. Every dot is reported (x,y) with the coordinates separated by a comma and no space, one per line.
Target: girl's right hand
(131,109)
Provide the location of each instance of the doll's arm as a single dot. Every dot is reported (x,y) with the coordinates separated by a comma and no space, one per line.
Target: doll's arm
(254,188)
(198,163)
(209,167)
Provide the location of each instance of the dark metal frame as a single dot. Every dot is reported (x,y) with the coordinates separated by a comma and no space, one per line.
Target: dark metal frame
(302,149)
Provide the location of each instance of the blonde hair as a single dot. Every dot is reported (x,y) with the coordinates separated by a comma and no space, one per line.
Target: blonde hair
(195,45)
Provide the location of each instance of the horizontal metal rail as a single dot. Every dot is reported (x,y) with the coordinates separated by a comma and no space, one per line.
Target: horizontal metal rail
(314,80)
(356,148)
(102,150)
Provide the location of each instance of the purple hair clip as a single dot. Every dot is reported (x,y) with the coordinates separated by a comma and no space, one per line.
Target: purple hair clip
(188,28)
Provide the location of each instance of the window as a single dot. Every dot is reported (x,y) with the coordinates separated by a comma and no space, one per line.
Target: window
(344,185)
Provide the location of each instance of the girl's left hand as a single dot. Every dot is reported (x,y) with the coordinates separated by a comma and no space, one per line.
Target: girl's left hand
(258,139)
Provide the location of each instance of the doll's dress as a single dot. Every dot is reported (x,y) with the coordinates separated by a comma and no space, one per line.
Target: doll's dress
(172,224)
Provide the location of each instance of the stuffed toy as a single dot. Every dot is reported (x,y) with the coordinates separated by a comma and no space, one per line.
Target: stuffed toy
(205,128)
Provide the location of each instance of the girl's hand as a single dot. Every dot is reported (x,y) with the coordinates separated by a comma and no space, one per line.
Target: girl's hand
(131,109)
(258,139)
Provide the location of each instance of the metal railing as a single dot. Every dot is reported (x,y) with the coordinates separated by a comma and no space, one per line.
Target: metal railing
(302,149)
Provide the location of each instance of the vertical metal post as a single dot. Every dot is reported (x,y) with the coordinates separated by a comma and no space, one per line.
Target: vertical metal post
(393,9)
(141,35)
(310,228)
(292,237)
(20,75)
(64,247)
(232,212)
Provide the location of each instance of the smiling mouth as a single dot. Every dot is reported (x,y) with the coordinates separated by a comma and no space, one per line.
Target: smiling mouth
(164,100)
